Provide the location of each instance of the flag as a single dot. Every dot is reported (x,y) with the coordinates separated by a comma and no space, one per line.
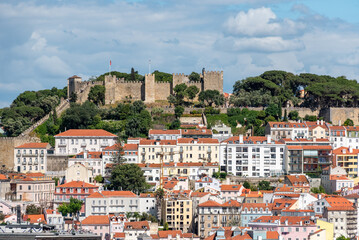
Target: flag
(110,62)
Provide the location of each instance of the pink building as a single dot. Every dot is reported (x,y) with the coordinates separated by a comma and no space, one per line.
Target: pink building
(289,228)
(229,192)
(98,224)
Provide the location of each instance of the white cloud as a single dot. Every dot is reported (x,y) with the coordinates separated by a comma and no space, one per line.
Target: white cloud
(39,43)
(261,22)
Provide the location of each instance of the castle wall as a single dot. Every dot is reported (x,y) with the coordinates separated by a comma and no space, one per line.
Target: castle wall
(213,80)
(162,90)
(84,90)
(119,89)
(7,145)
(342,114)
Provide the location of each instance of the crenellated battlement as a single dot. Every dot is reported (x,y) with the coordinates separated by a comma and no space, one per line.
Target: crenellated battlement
(148,90)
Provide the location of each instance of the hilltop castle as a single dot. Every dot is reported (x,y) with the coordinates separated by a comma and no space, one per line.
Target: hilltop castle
(149,91)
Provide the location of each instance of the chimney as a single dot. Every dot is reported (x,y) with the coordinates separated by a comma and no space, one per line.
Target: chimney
(314,139)
(269,139)
(340,123)
(350,149)
(344,151)
(321,122)
(240,138)
(85,154)
(317,122)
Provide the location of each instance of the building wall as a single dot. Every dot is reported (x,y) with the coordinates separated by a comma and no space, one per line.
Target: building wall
(213,80)
(79,172)
(162,90)
(57,163)
(30,160)
(329,229)
(4,188)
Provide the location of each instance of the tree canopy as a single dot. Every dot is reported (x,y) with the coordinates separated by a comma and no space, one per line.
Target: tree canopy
(73,207)
(97,95)
(280,87)
(128,177)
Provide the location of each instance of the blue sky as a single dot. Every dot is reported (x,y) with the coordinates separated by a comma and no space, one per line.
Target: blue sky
(42,43)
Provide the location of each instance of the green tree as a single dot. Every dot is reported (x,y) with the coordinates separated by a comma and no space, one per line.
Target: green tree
(342,238)
(97,94)
(80,116)
(210,97)
(246,185)
(285,118)
(311,118)
(165,226)
(136,215)
(348,122)
(99,178)
(175,124)
(73,97)
(191,92)
(194,77)
(293,115)
(179,94)
(179,111)
(129,215)
(33,209)
(73,208)
(128,177)
(133,74)
(264,185)
(273,110)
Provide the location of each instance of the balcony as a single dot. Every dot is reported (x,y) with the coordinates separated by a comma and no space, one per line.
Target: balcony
(18,154)
(62,144)
(23,163)
(83,144)
(29,155)
(209,150)
(36,162)
(104,144)
(41,154)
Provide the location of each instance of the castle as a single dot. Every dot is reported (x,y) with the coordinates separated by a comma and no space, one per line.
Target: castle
(149,91)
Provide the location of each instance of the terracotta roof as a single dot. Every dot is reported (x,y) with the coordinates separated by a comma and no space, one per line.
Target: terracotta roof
(137,225)
(33,145)
(77,184)
(125,147)
(51,211)
(199,194)
(341,150)
(297,180)
(250,140)
(147,195)
(173,233)
(105,194)
(85,133)
(236,188)
(284,188)
(339,203)
(287,125)
(199,140)
(35,218)
(35,174)
(231,203)
(210,203)
(90,155)
(163,132)
(309,147)
(119,235)
(340,128)
(3,177)
(96,220)
(202,131)
(272,235)
(75,76)
(282,203)
(339,177)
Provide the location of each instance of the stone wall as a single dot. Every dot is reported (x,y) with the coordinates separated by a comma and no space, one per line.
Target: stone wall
(84,90)
(337,115)
(119,90)
(7,145)
(150,88)
(57,163)
(162,90)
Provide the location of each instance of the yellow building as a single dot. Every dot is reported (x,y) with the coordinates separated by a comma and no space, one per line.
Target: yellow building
(177,212)
(347,158)
(329,230)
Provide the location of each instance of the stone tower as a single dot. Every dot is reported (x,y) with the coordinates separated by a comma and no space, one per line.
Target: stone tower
(149,88)
(212,80)
(73,84)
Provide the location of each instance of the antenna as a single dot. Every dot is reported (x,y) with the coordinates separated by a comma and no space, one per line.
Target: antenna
(149,66)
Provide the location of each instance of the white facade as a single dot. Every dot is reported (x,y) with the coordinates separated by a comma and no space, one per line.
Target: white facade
(252,156)
(90,159)
(164,134)
(129,153)
(117,202)
(207,182)
(31,157)
(75,141)
(79,172)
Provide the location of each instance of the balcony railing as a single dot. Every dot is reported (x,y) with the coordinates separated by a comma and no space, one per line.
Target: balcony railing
(29,155)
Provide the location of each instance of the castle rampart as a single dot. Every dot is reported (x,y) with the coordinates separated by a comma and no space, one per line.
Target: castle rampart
(148,91)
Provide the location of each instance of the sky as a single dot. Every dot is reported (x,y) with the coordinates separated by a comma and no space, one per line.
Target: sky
(42,43)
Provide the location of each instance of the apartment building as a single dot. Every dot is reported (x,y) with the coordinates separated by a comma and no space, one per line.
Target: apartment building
(252,156)
(252,211)
(155,134)
(4,186)
(318,129)
(289,227)
(79,172)
(129,153)
(75,189)
(198,150)
(214,214)
(279,130)
(29,190)
(352,136)
(75,141)
(177,211)
(150,150)
(337,136)
(99,225)
(118,202)
(91,159)
(31,157)
(347,158)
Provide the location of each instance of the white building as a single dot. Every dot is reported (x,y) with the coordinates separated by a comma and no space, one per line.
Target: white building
(278,130)
(31,157)
(54,218)
(79,172)
(149,150)
(74,141)
(90,159)
(129,153)
(337,136)
(117,202)
(252,156)
(155,134)
(207,182)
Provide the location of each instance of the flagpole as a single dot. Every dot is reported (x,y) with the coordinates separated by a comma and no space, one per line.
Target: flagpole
(109,68)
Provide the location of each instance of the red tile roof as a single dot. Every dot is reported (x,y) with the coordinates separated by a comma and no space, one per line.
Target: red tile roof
(297,180)
(309,147)
(3,177)
(164,132)
(251,139)
(96,220)
(35,218)
(33,145)
(77,184)
(105,194)
(137,225)
(339,177)
(85,133)
(210,203)
(119,235)
(292,220)
(271,235)
(341,150)
(236,188)
(199,140)
(90,155)
(35,174)
(161,142)
(196,132)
